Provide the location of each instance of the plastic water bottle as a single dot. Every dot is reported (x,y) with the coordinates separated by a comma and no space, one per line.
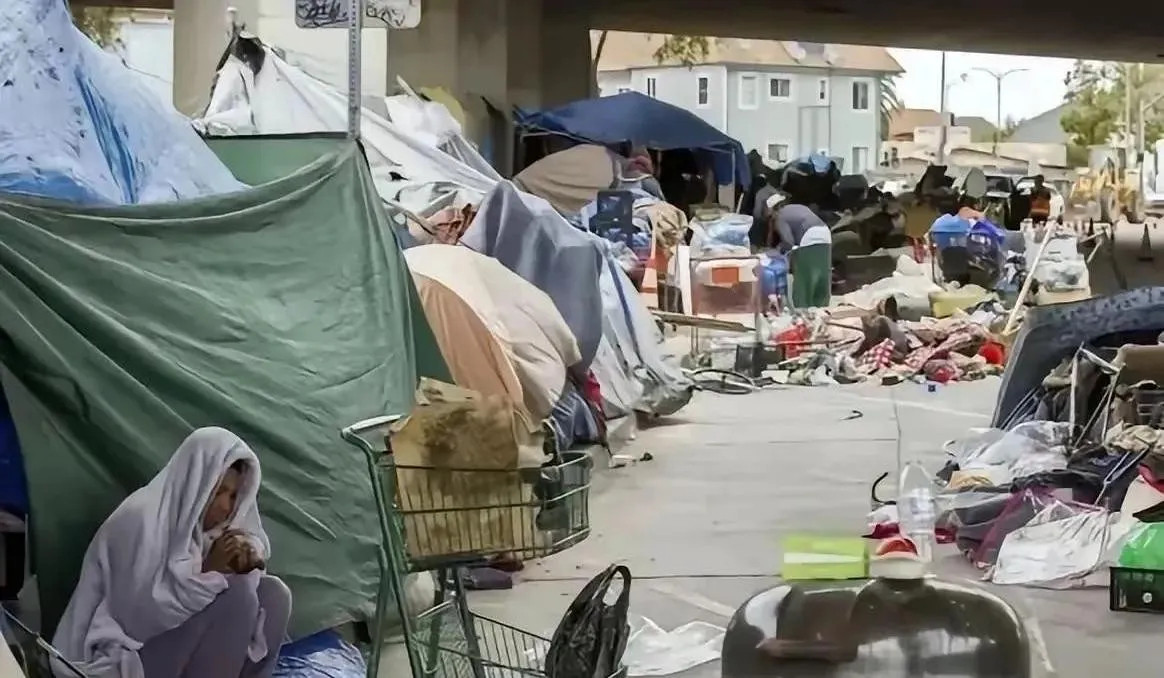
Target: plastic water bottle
(916,508)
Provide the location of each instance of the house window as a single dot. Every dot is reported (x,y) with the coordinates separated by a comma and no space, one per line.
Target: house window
(860,95)
(779,88)
(894,158)
(822,90)
(778,153)
(652,87)
(702,95)
(749,96)
(860,159)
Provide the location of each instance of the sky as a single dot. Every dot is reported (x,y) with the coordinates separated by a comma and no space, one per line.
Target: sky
(1024,94)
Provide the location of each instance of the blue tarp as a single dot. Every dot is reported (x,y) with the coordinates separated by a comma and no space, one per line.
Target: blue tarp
(641,120)
(78,125)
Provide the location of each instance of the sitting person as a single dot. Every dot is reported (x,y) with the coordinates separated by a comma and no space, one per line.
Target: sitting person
(173,584)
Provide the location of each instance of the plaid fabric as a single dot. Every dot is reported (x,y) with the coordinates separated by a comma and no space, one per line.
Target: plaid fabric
(956,340)
(877,358)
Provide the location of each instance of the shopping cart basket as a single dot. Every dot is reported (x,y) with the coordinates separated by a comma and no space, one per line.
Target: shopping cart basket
(446,519)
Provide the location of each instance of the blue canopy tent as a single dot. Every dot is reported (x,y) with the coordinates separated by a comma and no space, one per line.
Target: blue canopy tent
(639,120)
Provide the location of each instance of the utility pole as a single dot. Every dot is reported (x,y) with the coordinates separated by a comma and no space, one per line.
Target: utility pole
(941,155)
(1141,143)
(943,136)
(998,78)
(1127,108)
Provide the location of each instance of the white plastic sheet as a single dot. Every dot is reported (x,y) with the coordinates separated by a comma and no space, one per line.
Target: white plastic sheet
(283,99)
(78,126)
(1052,551)
(651,651)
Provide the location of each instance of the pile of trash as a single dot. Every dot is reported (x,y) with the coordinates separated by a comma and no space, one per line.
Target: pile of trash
(1067,487)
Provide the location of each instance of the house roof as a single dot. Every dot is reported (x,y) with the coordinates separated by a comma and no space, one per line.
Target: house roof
(903,121)
(981,129)
(623,51)
(1044,128)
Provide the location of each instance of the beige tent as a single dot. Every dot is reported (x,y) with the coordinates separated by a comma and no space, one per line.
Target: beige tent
(570,179)
(499,334)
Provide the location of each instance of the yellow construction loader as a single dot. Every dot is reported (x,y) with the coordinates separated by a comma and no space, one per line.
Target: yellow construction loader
(1109,190)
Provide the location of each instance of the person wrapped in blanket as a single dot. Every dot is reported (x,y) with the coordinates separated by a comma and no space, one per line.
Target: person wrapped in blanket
(174,583)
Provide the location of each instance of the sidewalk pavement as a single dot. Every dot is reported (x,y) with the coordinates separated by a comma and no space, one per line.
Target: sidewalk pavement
(700,525)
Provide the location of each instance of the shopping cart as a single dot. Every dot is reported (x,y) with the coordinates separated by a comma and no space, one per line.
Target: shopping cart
(527,513)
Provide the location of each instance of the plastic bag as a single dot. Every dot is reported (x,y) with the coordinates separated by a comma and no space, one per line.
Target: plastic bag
(651,651)
(726,235)
(1029,448)
(1057,551)
(1021,509)
(324,655)
(1145,548)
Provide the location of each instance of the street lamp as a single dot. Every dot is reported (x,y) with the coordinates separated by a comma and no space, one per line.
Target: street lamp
(945,113)
(998,78)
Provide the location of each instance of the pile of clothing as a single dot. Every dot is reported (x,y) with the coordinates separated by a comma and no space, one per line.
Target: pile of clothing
(852,347)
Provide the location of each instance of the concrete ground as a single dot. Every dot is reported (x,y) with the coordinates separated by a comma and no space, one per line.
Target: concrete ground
(700,525)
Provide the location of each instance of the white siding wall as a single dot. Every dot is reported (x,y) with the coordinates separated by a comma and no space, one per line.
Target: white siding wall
(817,113)
(147,48)
(680,87)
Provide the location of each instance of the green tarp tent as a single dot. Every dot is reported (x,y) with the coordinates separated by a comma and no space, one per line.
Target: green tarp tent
(283,313)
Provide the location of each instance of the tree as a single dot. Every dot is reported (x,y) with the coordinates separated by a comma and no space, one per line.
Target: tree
(1098,101)
(100,24)
(889,102)
(687,50)
(1092,115)
(1008,127)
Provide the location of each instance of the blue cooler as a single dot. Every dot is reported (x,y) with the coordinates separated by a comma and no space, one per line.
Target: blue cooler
(949,230)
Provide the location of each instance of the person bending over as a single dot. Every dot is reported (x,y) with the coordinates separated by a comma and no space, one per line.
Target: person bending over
(174,583)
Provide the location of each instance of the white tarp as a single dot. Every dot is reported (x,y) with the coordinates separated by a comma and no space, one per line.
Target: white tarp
(421,143)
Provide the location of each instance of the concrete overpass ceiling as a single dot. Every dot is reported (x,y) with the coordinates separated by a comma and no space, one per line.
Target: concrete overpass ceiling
(1118,30)
(126,4)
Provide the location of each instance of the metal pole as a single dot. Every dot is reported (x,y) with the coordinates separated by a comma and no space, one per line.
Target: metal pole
(1142,143)
(355,54)
(1127,107)
(941,156)
(997,115)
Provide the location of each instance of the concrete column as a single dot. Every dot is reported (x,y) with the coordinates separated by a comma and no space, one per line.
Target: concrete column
(326,47)
(524,53)
(463,46)
(566,73)
(200,35)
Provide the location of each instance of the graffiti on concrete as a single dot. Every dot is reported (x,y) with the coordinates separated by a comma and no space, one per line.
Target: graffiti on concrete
(334,13)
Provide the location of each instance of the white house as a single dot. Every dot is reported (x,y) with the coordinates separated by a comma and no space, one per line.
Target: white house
(784,99)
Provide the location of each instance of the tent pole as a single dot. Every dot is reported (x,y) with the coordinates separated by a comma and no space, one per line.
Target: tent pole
(355,52)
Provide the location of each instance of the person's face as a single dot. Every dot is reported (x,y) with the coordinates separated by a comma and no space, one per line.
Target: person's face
(222,502)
